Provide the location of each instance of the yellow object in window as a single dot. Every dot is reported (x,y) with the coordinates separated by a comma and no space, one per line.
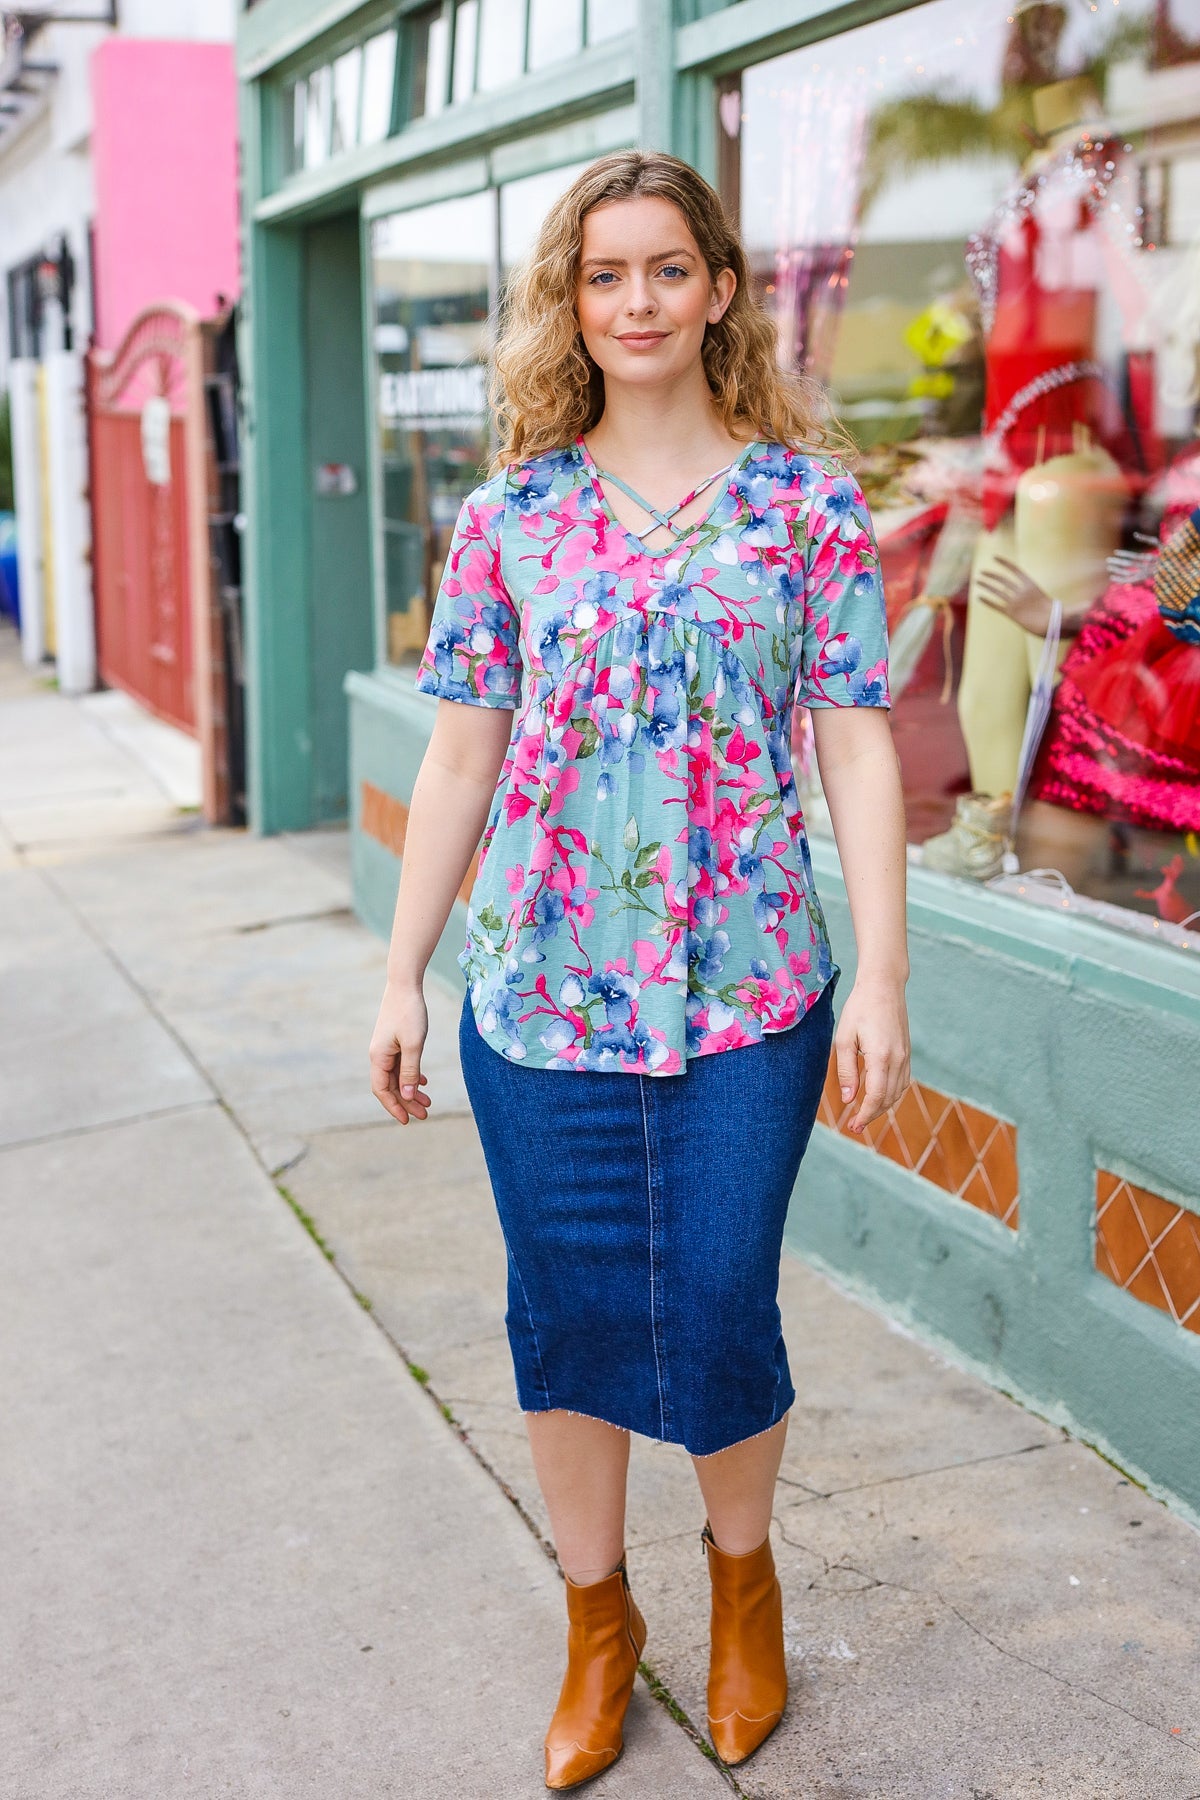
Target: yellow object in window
(937,332)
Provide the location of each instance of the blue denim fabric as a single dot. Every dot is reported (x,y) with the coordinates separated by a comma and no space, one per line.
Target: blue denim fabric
(644,1219)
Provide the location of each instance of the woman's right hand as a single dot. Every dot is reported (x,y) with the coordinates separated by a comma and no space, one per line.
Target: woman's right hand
(396,1045)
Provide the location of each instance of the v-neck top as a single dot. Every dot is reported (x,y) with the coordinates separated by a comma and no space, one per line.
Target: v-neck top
(644,892)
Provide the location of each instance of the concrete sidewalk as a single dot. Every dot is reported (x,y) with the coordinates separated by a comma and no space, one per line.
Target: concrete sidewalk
(249,1552)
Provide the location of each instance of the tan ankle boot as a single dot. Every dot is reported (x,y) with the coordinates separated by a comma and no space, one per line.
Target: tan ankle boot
(747,1675)
(605,1638)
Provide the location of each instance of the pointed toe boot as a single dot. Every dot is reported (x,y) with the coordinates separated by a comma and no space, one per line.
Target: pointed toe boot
(605,1637)
(747,1675)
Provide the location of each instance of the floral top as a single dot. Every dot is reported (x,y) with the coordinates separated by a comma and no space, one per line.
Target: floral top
(644,891)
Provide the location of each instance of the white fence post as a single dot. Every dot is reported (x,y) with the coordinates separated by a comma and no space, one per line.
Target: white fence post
(70,523)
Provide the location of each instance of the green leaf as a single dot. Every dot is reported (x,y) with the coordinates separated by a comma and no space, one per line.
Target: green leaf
(647,854)
(631,837)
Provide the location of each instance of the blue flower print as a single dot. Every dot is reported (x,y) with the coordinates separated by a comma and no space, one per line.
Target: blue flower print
(706,956)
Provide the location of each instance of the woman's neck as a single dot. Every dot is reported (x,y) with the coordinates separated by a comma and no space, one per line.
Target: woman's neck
(643,427)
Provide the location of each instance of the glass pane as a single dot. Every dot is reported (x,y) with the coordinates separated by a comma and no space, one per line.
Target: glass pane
(347,84)
(466,20)
(431,63)
(997,278)
(501,43)
(431,272)
(316,118)
(379,76)
(555,30)
(523,206)
(295,111)
(608,18)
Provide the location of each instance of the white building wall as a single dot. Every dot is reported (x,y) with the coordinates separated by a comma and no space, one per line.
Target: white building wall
(45,164)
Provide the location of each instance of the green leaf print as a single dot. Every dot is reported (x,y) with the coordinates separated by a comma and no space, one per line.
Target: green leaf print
(590,736)
(631,837)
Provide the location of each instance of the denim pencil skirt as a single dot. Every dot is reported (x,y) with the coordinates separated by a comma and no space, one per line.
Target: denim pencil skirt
(643,1218)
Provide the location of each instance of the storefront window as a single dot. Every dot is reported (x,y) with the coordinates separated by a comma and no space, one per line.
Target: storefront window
(433,276)
(466,31)
(430,62)
(980,226)
(436,276)
(502,42)
(608,18)
(342,104)
(555,30)
(523,206)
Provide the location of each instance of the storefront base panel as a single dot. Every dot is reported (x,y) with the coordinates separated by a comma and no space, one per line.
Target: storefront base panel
(389,731)
(1087,1043)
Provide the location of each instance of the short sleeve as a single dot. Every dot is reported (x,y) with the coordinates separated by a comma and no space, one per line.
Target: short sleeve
(843,650)
(473,653)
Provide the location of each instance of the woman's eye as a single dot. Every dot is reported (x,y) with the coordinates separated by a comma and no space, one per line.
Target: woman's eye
(672,269)
(601,276)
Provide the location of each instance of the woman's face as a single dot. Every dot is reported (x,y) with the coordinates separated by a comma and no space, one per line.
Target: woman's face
(644,295)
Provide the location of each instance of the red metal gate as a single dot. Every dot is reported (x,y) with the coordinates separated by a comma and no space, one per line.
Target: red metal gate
(150,554)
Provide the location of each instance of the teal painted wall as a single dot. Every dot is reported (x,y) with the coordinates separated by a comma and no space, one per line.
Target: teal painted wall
(278,639)
(1089,1041)
(341,620)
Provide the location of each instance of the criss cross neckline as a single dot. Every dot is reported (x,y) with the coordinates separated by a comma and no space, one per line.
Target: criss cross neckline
(657,516)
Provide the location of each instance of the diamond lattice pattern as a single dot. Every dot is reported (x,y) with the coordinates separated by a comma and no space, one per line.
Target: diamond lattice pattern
(959,1148)
(1149,1246)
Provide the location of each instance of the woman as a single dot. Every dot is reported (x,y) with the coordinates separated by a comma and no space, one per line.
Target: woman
(648,1020)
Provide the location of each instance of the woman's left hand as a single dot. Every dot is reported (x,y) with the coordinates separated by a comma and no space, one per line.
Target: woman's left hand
(873,1027)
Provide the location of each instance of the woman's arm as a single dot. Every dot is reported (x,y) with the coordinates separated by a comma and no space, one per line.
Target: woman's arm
(861,778)
(450,801)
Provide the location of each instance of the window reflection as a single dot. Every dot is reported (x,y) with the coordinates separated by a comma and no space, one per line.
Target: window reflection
(998,275)
(555,30)
(466,20)
(347,80)
(378,81)
(432,275)
(316,118)
(609,18)
(523,206)
(501,42)
(341,105)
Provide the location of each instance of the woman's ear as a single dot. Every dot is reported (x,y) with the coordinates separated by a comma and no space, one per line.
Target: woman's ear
(722,294)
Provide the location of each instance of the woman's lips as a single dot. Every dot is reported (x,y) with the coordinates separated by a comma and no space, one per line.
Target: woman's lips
(639,339)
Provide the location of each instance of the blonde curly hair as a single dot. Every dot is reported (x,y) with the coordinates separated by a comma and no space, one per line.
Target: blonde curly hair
(545,389)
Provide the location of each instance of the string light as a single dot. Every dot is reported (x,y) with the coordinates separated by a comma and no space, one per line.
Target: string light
(1088,168)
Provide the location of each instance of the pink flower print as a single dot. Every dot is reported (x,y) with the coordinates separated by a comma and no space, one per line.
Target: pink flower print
(571,883)
(560,784)
(515,878)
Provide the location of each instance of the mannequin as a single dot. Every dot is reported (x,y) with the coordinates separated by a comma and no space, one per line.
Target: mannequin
(1053,495)
(1064,525)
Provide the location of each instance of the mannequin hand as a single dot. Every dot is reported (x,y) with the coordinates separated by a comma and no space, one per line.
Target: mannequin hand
(396,1045)
(1008,589)
(873,1026)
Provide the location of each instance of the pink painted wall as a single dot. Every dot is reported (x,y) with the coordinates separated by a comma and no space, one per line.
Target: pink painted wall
(164,157)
